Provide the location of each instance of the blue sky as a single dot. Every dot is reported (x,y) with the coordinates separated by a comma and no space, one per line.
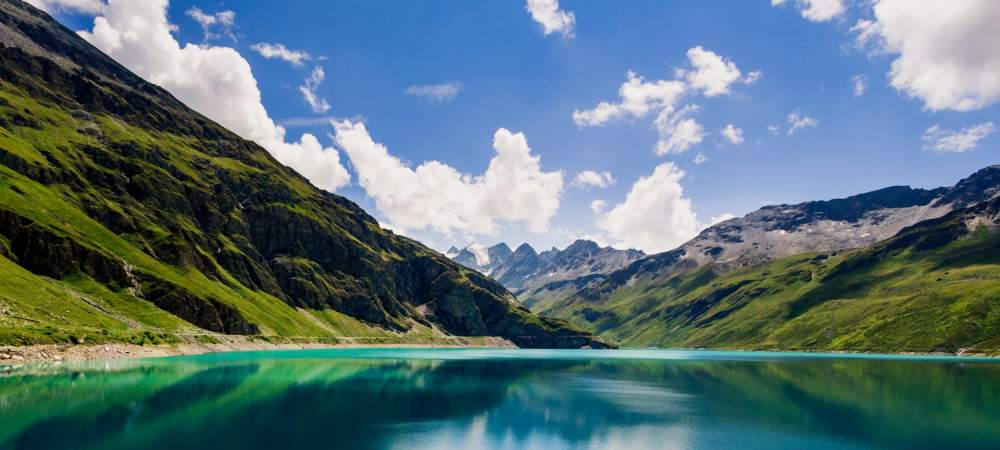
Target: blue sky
(514,76)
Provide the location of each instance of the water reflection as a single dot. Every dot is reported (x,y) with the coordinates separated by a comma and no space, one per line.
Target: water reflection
(401,399)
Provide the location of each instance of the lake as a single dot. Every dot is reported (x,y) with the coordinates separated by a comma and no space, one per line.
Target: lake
(505,399)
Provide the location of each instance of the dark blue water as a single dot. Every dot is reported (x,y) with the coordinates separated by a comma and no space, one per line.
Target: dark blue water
(506,399)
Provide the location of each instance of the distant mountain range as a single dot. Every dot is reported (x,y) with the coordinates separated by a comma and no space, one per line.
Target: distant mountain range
(525,268)
(898,269)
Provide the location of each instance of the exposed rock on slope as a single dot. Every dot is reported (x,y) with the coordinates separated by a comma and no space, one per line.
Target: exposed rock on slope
(774,232)
(115,194)
(934,286)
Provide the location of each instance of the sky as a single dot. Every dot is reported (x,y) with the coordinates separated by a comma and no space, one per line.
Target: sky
(635,123)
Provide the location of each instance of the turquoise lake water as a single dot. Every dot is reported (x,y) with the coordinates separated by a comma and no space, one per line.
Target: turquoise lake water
(505,399)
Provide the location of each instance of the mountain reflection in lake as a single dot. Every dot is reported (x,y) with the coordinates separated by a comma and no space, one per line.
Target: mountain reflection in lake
(398,398)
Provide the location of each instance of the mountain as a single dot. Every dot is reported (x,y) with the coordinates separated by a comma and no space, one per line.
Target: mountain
(525,268)
(774,232)
(479,257)
(933,284)
(126,216)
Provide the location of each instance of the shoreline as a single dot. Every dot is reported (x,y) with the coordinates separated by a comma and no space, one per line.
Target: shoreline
(12,355)
(35,353)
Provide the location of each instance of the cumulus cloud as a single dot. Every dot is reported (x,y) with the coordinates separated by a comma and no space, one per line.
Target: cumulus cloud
(215,81)
(860,83)
(552,19)
(700,159)
(83,6)
(444,92)
(279,51)
(593,179)
(712,74)
(638,98)
(797,121)
(774,129)
(709,74)
(947,52)
(815,10)
(732,134)
(952,141)
(597,206)
(678,132)
(318,104)
(224,20)
(437,196)
(655,215)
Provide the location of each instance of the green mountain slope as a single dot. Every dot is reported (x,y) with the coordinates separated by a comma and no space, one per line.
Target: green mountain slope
(124,215)
(933,287)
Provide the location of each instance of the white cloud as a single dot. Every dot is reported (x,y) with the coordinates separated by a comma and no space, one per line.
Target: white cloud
(215,81)
(947,51)
(279,51)
(798,121)
(638,98)
(597,206)
(867,35)
(655,215)
(712,73)
(709,74)
(677,131)
(732,134)
(700,159)
(951,141)
(816,10)
(436,196)
(752,77)
(774,129)
(593,178)
(445,92)
(721,218)
(222,19)
(860,83)
(308,90)
(83,6)
(552,19)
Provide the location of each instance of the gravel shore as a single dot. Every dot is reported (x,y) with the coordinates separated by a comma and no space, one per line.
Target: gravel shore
(71,352)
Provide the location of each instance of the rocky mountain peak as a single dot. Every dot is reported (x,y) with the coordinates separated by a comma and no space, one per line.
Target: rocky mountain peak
(524,267)
(500,251)
(982,185)
(582,246)
(525,249)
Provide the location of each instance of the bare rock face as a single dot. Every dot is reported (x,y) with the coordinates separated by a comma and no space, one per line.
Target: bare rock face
(777,231)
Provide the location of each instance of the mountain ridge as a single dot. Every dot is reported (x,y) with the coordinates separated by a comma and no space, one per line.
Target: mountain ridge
(933,285)
(137,217)
(525,268)
(777,231)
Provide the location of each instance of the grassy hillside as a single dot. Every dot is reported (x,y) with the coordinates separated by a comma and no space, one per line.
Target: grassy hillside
(126,216)
(933,287)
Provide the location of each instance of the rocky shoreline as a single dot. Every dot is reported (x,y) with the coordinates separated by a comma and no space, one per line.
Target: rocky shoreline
(10,355)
